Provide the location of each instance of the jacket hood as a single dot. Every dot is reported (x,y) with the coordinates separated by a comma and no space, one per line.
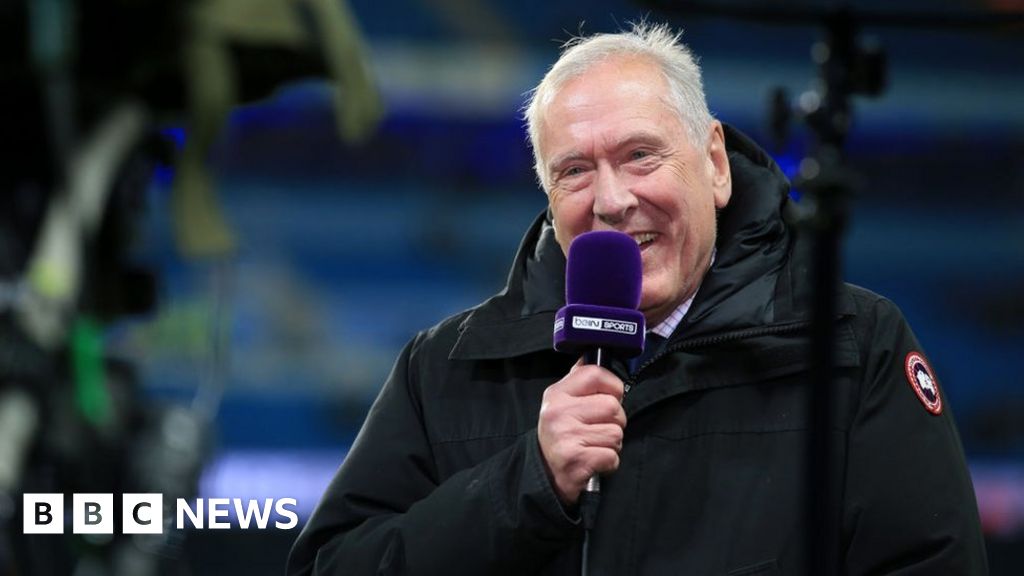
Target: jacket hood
(753,244)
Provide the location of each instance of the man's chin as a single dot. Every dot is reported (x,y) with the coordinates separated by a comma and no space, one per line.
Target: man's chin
(654,312)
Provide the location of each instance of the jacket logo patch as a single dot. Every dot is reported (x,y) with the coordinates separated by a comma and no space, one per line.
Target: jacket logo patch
(922,380)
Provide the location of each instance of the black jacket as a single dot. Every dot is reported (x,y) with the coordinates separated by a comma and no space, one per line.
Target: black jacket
(446,476)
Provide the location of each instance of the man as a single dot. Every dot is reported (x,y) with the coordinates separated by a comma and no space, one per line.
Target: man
(473,457)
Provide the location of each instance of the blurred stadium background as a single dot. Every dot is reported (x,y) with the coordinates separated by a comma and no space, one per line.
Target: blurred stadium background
(336,253)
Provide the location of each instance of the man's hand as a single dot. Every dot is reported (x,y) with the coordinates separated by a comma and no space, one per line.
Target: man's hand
(580,428)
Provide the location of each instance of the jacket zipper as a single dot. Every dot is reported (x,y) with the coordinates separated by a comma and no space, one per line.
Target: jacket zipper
(714,340)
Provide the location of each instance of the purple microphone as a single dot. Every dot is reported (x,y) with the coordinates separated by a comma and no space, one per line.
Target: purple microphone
(603,273)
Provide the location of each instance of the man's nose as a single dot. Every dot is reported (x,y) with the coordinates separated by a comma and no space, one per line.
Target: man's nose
(612,198)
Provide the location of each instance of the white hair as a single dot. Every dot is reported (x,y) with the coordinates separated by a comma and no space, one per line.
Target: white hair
(659,44)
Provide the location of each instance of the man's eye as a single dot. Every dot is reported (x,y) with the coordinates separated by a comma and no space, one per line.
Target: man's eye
(639,154)
(574,171)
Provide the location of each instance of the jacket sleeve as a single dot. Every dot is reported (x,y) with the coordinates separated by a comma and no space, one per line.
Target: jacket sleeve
(386,511)
(909,507)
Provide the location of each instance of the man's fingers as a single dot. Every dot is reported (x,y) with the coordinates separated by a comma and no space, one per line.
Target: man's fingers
(563,414)
(603,436)
(577,365)
(598,409)
(584,380)
(597,461)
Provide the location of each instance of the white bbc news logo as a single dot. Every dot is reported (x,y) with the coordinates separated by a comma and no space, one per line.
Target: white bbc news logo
(144,513)
(603,325)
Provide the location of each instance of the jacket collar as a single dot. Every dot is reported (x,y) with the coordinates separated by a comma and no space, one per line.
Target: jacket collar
(758,277)
(519,319)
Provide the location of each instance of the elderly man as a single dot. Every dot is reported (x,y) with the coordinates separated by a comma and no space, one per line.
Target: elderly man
(473,458)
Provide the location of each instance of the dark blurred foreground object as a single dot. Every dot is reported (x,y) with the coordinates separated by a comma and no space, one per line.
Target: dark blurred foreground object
(87,87)
(847,67)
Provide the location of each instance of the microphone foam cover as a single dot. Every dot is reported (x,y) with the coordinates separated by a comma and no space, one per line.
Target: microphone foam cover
(603,268)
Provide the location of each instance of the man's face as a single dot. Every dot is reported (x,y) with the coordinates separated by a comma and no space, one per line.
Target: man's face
(617,157)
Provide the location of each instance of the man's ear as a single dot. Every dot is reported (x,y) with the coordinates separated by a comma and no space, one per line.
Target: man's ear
(718,165)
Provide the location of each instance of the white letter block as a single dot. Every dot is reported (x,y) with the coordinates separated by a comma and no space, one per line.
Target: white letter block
(43,513)
(93,514)
(142,514)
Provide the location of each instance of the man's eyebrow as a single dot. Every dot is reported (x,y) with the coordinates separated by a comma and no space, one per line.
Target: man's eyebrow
(560,161)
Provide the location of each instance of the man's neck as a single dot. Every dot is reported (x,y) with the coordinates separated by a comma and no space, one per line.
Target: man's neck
(668,325)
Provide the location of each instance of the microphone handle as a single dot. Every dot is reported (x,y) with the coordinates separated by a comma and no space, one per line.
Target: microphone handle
(595,356)
(591,495)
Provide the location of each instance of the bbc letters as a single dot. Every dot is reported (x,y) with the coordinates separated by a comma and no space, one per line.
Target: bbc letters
(144,513)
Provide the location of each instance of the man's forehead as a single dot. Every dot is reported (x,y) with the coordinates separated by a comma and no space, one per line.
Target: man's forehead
(564,139)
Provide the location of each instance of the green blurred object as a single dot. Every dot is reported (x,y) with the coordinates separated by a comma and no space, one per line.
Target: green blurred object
(91,395)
